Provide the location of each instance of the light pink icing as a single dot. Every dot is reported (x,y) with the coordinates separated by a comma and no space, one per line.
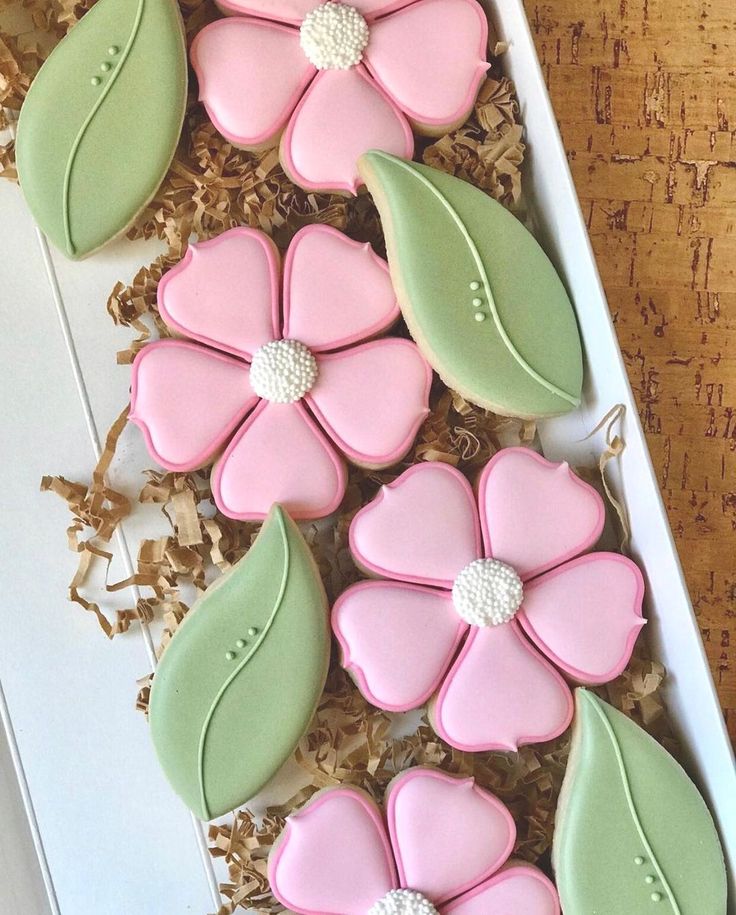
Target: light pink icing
(516,890)
(424,63)
(376,623)
(446,835)
(191,399)
(583,614)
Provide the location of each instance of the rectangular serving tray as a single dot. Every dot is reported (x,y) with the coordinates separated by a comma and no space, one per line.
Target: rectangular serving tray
(89,825)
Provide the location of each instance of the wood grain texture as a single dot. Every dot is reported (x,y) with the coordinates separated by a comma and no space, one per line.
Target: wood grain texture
(645,94)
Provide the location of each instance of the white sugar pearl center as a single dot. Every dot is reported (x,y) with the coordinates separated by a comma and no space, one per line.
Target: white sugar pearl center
(403,902)
(334,36)
(487,593)
(283,371)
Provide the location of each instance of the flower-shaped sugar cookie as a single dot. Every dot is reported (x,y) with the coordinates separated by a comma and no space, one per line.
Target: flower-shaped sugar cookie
(285,390)
(336,80)
(442,850)
(493,581)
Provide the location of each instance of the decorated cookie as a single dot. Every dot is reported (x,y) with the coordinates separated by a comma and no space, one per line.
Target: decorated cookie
(101,121)
(443,848)
(335,80)
(237,686)
(632,834)
(480,296)
(281,393)
(479,600)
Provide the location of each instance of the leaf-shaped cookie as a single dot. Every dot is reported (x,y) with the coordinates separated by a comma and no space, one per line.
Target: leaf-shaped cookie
(101,121)
(632,829)
(239,682)
(480,296)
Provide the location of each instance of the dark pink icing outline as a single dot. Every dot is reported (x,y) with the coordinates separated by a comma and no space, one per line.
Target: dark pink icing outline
(233,7)
(510,870)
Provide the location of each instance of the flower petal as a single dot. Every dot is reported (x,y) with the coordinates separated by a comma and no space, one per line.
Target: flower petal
(431,59)
(342,115)
(188,400)
(336,290)
(423,527)
(518,889)
(536,514)
(293,11)
(333,856)
(371,399)
(225,292)
(279,455)
(251,75)
(586,615)
(500,694)
(397,640)
(447,834)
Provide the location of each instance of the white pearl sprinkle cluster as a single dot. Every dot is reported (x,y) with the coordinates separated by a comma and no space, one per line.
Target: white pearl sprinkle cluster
(334,36)
(403,902)
(487,593)
(283,371)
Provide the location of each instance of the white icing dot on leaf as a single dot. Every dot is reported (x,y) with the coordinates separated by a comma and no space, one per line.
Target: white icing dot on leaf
(334,36)
(487,593)
(403,902)
(283,371)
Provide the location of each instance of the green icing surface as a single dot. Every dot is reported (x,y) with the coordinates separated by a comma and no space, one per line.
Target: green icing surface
(225,715)
(101,121)
(450,244)
(629,812)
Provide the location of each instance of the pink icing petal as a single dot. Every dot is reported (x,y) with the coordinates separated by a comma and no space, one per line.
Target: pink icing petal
(278,455)
(293,11)
(333,856)
(397,640)
(536,514)
(342,115)
(225,292)
(500,694)
(336,290)
(188,400)
(251,75)
(431,58)
(371,399)
(447,834)
(516,890)
(421,528)
(586,615)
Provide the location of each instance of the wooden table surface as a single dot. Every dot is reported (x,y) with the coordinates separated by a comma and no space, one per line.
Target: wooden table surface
(645,94)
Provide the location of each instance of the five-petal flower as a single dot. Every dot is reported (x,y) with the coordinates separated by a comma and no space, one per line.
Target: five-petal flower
(472,591)
(263,384)
(443,848)
(339,79)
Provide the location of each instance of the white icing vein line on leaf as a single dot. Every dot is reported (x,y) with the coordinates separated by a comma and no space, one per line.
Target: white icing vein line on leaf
(88,120)
(234,674)
(632,808)
(530,370)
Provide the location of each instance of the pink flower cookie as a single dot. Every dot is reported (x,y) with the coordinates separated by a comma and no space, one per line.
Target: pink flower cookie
(501,583)
(442,849)
(339,79)
(284,391)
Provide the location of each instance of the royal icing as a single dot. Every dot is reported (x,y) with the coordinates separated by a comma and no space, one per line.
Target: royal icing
(632,832)
(339,79)
(444,839)
(239,682)
(101,121)
(502,580)
(281,395)
(477,291)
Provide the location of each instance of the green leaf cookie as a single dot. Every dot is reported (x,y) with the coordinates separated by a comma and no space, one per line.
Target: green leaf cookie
(633,834)
(480,297)
(240,681)
(101,121)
